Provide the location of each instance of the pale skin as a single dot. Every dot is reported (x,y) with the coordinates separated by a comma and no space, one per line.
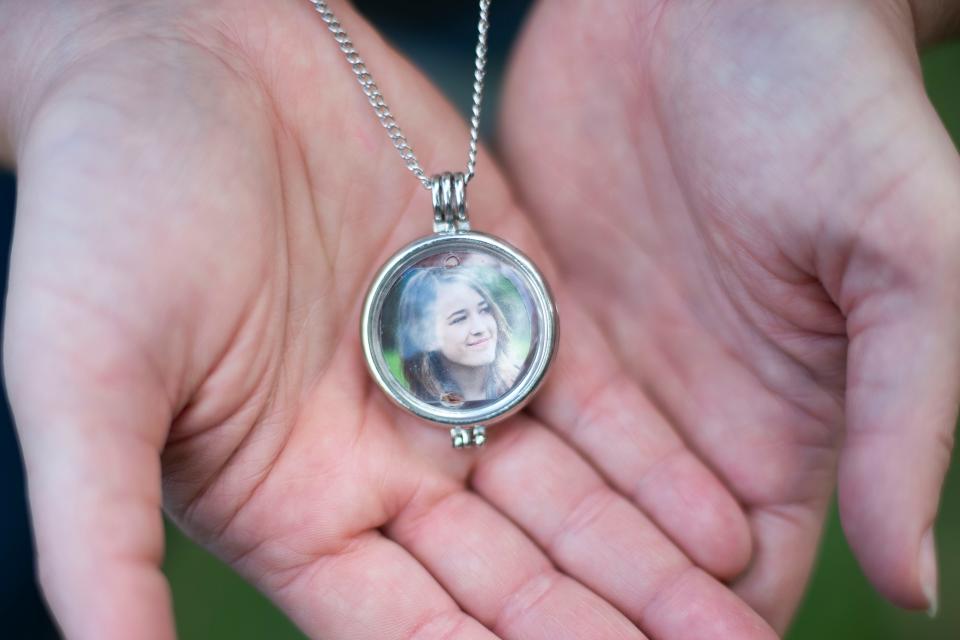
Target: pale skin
(779,212)
(467,336)
(203,196)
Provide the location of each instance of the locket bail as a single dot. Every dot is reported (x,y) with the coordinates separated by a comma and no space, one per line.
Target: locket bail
(450,203)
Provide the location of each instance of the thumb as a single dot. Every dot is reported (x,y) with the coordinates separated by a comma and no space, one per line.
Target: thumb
(91,416)
(901,296)
(90,426)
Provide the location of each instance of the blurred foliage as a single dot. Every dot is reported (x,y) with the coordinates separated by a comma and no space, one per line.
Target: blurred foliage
(941,70)
(211,602)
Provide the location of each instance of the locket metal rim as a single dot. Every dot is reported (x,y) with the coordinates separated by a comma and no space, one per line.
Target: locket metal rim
(531,378)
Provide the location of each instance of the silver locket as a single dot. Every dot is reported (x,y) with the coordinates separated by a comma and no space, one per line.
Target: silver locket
(459,328)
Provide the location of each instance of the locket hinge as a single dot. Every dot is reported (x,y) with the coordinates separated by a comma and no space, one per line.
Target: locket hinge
(468,436)
(450,203)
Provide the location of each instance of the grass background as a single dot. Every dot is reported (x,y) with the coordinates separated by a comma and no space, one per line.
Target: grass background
(211,602)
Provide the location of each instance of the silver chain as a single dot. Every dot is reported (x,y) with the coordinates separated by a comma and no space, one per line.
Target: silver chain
(375,97)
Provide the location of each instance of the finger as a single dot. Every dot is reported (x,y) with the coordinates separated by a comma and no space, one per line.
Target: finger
(497,574)
(620,432)
(901,297)
(594,405)
(785,546)
(91,420)
(370,588)
(595,535)
(307,534)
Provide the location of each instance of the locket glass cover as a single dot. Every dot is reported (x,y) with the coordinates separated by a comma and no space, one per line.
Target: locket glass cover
(459,328)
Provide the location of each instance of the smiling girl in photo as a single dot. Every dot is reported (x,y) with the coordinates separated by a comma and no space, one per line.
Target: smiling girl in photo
(454,338)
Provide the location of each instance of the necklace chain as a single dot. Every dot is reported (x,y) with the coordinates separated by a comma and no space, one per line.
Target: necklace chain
(380,108)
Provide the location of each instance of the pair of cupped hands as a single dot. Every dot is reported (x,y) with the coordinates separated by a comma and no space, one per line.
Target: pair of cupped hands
(748,212)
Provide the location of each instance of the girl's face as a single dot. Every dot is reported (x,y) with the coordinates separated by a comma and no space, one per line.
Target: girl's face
(466,328)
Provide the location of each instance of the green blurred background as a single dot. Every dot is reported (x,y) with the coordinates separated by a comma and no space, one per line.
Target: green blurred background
(211,602)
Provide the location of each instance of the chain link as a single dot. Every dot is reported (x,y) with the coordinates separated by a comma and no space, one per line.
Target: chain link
(380,108)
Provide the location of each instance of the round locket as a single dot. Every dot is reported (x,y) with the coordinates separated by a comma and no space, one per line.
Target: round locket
(459,328)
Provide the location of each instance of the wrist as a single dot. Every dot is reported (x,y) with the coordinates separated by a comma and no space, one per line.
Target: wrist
(25,39)
(935,20)
(38,41)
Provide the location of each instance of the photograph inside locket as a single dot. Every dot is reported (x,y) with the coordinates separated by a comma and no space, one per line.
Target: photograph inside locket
(457,329)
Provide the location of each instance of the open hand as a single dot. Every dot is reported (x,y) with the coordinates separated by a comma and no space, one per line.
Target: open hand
(758,205)
(203,198)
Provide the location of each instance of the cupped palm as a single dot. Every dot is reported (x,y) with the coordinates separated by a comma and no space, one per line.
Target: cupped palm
(203,198)
(760,208)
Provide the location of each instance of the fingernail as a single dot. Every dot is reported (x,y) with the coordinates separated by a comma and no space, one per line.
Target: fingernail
(928,571)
